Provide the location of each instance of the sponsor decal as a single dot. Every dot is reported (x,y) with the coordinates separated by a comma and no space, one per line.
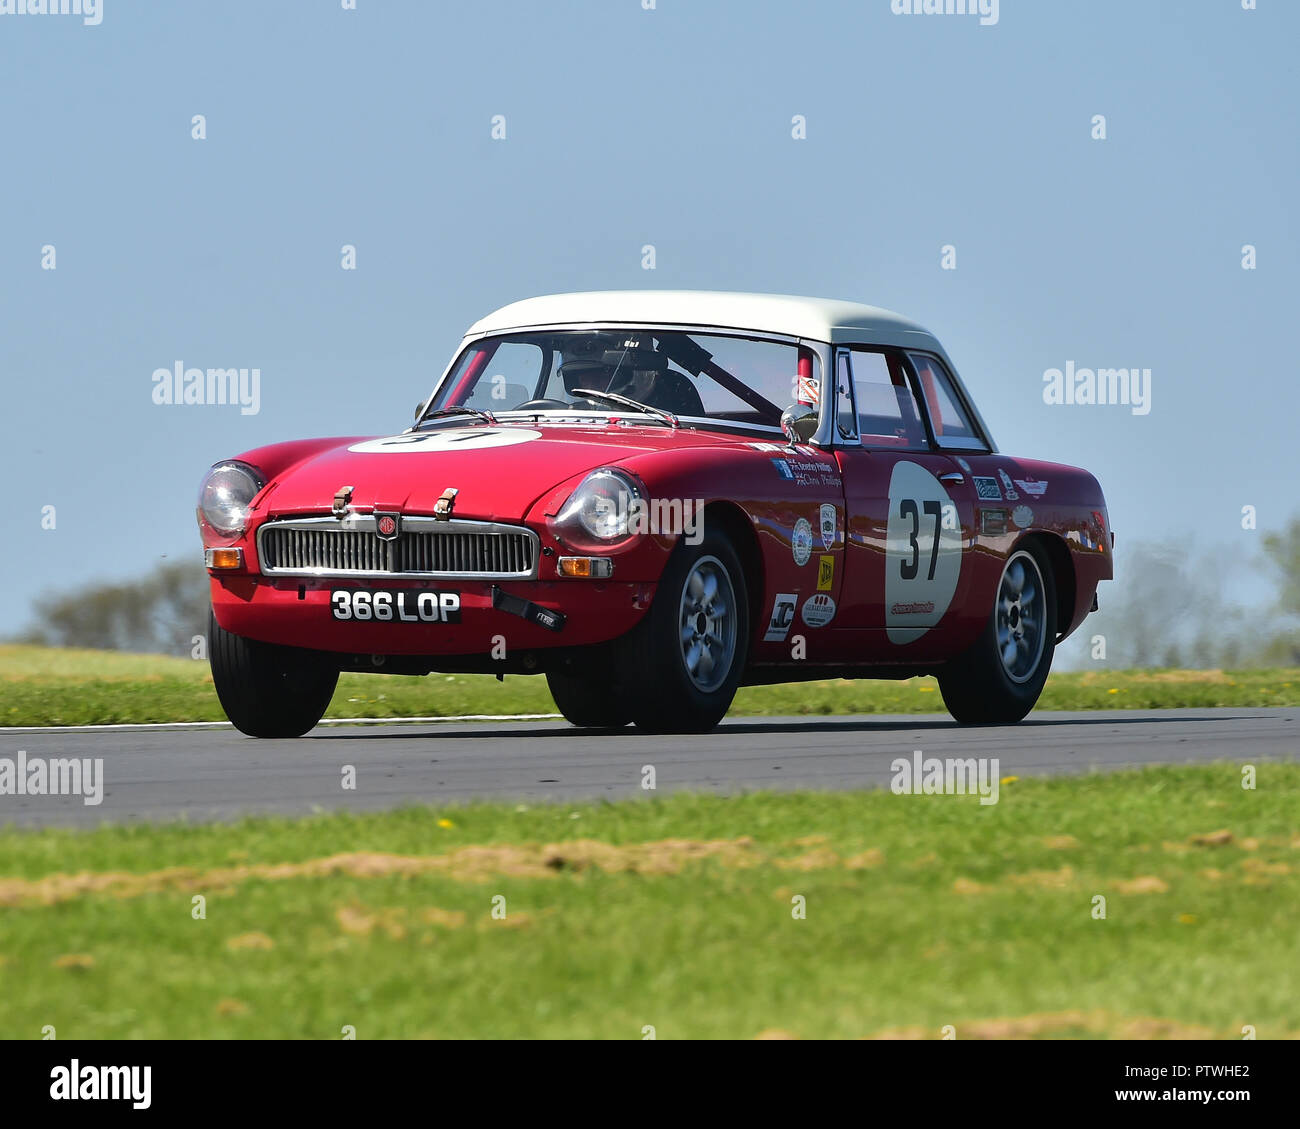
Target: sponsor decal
(987,490)
(818,610)
(825,574)
(778,623)
(1007,487)
(924,607)
(801,542)
(807,471)
(451,439)
(1023,516)
(402,605)
(1035,489)
(830,523)
(993,522)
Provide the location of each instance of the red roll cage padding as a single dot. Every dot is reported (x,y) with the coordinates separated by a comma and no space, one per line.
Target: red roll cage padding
(926,373)
(477,363)
(805,376)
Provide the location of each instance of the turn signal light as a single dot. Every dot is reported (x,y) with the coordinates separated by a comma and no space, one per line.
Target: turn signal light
(586,568)
(223,558)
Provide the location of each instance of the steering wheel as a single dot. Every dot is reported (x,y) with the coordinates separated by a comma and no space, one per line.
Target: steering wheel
(539,404)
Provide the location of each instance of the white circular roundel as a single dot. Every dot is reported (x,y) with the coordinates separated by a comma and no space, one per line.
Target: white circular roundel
(818,610)
(922,553)
(451,439)
(801,541)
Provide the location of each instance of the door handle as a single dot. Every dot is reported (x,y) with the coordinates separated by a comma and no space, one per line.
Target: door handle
(953,477)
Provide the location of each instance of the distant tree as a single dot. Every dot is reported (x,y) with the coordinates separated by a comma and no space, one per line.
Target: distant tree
(160,613)
(1282,553)
(1168,607)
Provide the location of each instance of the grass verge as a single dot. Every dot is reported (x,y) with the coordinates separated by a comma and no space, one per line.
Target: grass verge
(678,914)
(46,686)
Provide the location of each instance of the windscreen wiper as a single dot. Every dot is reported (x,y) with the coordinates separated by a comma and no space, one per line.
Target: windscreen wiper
(627,402)
(458,410)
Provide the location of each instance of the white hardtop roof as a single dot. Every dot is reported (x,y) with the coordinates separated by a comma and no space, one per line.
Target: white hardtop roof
(817,319)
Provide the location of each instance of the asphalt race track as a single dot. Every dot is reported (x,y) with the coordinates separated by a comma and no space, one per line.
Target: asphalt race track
(214,774)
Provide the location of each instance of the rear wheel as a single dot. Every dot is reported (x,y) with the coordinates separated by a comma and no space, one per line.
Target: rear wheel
(267,690)
(681,665)
(590,700)
(998,680)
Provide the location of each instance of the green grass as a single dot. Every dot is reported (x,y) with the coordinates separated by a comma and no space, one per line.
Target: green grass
(43,686)
(921,912)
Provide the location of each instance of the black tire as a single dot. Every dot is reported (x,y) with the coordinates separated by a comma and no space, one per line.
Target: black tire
(651,661)
(589,700)
(266,690)
(979,687)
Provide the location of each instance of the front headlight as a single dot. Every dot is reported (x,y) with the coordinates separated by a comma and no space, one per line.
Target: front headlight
(225,495)
(601,506)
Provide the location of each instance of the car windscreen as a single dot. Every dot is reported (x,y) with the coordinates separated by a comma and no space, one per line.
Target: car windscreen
(735,379)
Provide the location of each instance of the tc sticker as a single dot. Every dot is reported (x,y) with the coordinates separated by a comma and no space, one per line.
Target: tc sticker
(452,439)
(778,626)
(825,574)
(801,542)
(922,553)
(818,610)
(830,522)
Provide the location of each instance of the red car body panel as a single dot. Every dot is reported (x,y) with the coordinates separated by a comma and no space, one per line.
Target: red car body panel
(737,472)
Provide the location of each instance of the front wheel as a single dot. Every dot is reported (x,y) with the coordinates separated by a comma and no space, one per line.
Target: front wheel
(680,667)
(998,680)
(267,690)
(588,699)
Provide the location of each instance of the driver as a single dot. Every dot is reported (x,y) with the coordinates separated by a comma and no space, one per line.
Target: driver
(584,364)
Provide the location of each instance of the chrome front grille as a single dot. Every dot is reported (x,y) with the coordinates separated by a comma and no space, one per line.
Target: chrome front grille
(285,549)
(509,554)
(424,548)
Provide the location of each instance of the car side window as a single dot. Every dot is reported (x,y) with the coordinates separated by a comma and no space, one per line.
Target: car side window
(952,425)
(884,408)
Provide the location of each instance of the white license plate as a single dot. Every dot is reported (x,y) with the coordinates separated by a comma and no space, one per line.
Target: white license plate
(396,605)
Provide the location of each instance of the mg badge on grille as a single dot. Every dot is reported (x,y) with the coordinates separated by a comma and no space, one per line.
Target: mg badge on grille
(387,526)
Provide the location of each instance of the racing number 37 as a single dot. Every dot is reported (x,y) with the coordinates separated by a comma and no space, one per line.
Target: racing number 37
(907,507)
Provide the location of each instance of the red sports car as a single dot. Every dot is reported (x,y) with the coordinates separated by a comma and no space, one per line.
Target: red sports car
(653,498)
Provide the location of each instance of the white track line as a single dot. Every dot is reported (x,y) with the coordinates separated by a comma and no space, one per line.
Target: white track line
(324,721)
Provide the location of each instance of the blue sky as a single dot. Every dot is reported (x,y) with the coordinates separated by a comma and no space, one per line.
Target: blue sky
(627,127)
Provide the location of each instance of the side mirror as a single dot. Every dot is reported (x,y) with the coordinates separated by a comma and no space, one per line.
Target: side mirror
(799,422)
(419,409)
